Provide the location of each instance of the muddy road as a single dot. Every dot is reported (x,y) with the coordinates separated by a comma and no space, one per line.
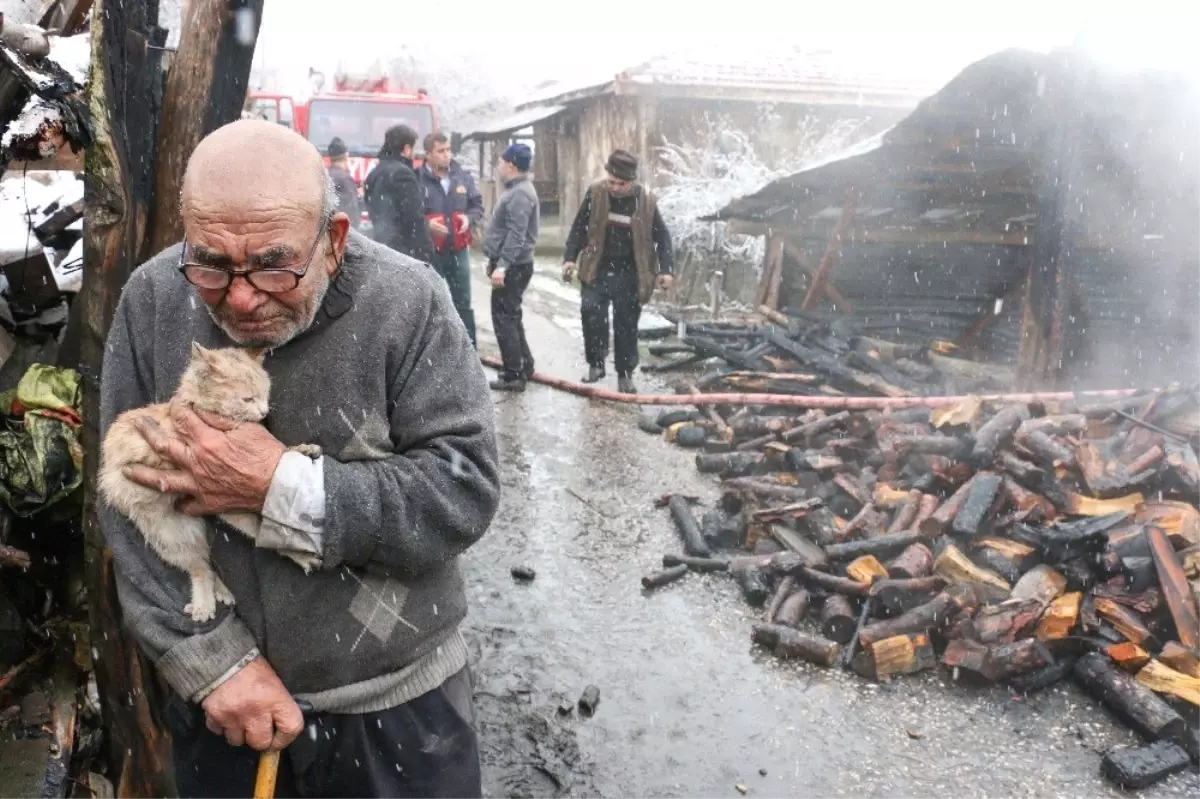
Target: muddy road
(688,707)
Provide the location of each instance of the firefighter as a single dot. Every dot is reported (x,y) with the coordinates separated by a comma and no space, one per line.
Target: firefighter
(393,197)
(509,244)
(343,181)
(452,205)
(621,249)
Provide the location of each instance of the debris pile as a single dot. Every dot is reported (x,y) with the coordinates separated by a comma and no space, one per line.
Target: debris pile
(1013,543)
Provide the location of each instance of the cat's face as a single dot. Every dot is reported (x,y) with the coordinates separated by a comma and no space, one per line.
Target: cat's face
(229,382)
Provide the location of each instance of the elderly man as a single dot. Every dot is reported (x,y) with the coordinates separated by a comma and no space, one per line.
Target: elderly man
(623,251)
(368,360)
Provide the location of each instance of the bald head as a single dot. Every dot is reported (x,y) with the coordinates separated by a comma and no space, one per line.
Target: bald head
(252,164)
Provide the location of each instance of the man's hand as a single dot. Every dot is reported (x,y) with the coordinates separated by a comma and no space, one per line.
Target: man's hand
(254,709)
(221,466)
(568,271)
(438,227)
(498,278)
(464,224)
(665,281)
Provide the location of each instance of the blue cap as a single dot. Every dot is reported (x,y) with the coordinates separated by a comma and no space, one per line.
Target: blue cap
(519,155)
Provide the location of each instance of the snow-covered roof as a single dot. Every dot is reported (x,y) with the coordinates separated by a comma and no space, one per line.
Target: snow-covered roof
(515,122)
(770,71)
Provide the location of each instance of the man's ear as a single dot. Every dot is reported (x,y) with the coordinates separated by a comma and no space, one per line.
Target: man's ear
(339,234)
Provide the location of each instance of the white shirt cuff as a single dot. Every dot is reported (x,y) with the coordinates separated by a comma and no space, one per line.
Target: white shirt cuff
(293,515)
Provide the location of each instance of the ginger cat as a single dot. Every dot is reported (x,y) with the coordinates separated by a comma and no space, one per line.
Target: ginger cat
(227,382)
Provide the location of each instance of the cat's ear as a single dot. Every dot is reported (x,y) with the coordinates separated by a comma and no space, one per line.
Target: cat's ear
(201,353)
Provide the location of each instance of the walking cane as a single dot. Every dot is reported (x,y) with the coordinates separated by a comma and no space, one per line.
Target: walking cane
(264,780)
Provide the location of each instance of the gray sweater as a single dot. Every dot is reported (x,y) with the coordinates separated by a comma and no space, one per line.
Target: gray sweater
(514,227)
(387,383)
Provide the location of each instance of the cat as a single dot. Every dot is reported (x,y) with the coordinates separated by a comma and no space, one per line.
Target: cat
(230,383)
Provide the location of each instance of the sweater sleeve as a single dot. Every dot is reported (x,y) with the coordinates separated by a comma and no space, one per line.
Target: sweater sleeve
(521,208)
(436,492)
(577,238)
(193,657)
(662,242)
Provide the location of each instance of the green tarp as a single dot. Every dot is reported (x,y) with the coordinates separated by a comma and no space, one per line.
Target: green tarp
(41,460)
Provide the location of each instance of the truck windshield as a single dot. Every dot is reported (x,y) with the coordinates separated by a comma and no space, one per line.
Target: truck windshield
(361,124)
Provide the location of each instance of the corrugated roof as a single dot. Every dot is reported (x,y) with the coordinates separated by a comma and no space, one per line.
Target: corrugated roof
(515,122)
(765,68)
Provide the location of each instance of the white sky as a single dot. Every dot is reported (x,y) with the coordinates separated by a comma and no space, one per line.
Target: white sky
(517,43)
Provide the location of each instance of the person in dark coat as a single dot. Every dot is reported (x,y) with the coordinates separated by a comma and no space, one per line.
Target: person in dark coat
(393,197)
(343,181)
(453,205)
(623,251)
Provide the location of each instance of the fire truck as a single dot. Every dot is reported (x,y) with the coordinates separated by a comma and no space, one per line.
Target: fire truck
(359,110)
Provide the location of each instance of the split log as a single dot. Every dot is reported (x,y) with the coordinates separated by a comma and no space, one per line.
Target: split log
(1137,767)
(787,643)
(963,653)
(982,502)
(782,592)
(733,464)
(689,531)
(810,553)
(996,433)
(1020,657)
(933,615)
(1060,617)
(1144,464)
(1139,573)
(852,488)
(793,609)
(1132,702)
(792,510)
(1045,677)
(696,564)
(1182,462)
(953,565)
(837,619)
(1126,622)
(882,546)
(754,584)
(887,496)
(1020,469)
(661,578)
(811,430)
(1179,520)
(901,654)
(1128,655)
(765,488)
(1042,583)
(1069,540)
(915,561)
(1143,602)
(929,504)
(907,514)
(1060,425)
(1181,659)
(1163,679)
(996,562)
(829,582)
(1006,622)
(897,596)
(866,569)
(869,520)
(1046,450)
(1028,505)
(1106,479)
(1018,552)
(1078,505)
(940,520)
(1178,595)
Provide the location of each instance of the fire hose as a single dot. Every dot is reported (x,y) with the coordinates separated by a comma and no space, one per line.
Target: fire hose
(798,401)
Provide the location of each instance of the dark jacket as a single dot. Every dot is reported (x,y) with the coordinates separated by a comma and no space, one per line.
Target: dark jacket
(513,231)
(393,199)
(347,192)
(463,197)
(623,231)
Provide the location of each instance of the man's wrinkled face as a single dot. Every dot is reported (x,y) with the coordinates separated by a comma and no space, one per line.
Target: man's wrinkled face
(439,156)
(252,238)
(618,187)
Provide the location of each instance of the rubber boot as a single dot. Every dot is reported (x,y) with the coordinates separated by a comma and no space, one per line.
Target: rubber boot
(595,374)
(625,384)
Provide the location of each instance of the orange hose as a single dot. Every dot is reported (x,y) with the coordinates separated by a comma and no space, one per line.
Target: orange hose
(789,400)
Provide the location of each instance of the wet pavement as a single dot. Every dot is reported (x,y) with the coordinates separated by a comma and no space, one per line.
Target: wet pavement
(687,706)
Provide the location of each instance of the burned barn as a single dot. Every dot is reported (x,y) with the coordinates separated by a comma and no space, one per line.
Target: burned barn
(1039,210)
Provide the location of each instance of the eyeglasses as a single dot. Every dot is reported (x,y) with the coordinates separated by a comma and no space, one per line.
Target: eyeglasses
(271,280)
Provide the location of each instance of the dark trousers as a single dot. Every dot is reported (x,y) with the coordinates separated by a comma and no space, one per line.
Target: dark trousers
(426,747)
(616,285)
(455,269)
(506,320)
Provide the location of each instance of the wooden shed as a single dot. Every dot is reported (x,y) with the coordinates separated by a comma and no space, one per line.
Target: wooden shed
(1038,210)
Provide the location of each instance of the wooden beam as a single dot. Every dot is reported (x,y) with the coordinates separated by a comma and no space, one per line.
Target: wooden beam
(831,291)
(968,336)
(831,253)
(205,89)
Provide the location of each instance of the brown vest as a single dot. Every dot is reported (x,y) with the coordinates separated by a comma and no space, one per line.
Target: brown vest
(645,257)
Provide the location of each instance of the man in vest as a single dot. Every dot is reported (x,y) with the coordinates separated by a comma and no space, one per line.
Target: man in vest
(621,249)
(452,205)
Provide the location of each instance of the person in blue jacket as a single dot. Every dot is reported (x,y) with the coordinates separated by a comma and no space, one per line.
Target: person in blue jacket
(453,205)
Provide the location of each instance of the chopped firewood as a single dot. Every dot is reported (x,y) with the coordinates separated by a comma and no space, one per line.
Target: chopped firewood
(1176,592)
(901,654)
(996,433)
(811,553)
(1042,583)
(754,584)
(997,562)
(1163,679)
(955,566)
(1179,520)
(982,502)
(939,521)
(888,497)
(793,609)
(787,643)
(915,561)
(1045,677)
(933,615)
(866,569)
(1125,620)
(1005,622)
(869,520)
(907,513)
(1021,554)
(961,414)
(962,653)
(1129,699)
(1046,450)
(1078,505)
(1181,659)
(689,531)
(898,596)
(1137,767)
(1062,425)
(881,546)
(1028,505)
(1182,462)
(696,564)
(1060,617)
(838,619)
(1004,661)
(1128,655)
(782,592)
(661,578)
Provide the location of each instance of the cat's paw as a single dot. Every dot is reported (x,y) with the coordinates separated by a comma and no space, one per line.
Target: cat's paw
(311,450)
(222,593)
(306,562)
(201,610)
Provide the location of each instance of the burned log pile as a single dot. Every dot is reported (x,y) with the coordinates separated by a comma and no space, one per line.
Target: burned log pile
(811,355)
(1018,544)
